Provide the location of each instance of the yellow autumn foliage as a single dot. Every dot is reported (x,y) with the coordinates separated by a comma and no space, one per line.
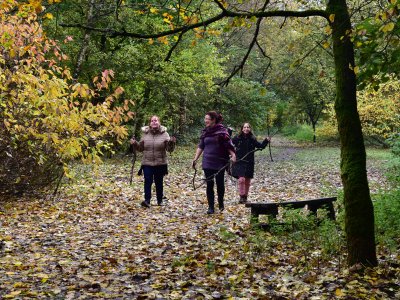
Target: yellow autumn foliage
(40,110)
(379,112)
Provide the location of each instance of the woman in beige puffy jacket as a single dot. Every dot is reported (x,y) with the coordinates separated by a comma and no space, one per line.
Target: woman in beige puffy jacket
(154,144)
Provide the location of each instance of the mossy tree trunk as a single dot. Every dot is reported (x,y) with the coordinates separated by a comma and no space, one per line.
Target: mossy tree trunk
(359,213)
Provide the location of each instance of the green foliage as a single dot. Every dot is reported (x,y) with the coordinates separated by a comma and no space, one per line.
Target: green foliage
(393,173)
(301,133)
(394,142)
(244,101)
(331,237)
(225,234)
(303,231)
(376,39)
(387,218)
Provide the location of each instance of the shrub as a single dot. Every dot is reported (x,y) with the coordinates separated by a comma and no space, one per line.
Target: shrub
(302,133)
(387,219)
(46,120)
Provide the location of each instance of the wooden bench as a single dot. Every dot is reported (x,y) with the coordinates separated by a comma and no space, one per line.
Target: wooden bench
(271,208)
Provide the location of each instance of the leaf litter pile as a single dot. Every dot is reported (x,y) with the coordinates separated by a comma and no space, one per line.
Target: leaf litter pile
(94,240)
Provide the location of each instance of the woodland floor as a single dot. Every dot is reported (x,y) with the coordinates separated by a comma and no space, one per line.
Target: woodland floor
(94,240)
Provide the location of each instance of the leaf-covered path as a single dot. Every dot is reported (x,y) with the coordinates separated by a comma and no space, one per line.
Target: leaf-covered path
(94,240)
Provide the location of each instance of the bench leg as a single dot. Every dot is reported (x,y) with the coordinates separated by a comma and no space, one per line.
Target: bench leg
(313,209)
(254,217)
(331,211)
(328,206)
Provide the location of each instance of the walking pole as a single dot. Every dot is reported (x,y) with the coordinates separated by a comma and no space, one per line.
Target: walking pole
(269,143)
(133,163)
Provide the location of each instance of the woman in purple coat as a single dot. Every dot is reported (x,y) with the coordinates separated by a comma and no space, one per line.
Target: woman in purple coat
(216,146)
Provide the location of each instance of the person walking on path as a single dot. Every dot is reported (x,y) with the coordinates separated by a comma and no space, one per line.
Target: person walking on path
(246,144)
(154,144)
(216,146)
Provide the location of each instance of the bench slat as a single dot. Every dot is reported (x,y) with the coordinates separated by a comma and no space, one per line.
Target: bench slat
(300,203)
(271,208)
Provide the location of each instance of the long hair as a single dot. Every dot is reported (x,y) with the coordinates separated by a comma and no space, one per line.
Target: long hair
(241,133)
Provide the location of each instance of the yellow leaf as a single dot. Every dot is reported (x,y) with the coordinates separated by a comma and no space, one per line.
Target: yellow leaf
(326,45)
(332,17)
(356,70)
(153,10)
(339,293)
(388,27)
(151,41)
(328,29)
(43,276)
(163,40)
(12,294)
(49,16)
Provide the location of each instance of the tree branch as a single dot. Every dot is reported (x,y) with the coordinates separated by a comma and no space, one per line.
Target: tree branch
(236,69)
(169,54)
(223,14)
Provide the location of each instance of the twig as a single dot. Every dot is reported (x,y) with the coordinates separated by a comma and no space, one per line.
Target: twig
(222,169)
(133,164)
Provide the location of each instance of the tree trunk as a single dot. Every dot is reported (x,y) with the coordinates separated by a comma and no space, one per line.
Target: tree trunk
(359,213)
(314,134)
(139,113)
(182,114)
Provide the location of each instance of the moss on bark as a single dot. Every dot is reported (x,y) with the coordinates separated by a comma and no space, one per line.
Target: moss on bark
(359,215)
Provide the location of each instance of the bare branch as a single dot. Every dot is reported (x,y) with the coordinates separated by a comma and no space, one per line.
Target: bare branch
(266,56)
(173,47)
(240,67)
(220,5)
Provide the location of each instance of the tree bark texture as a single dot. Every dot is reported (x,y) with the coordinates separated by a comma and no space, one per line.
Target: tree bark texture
(359,213)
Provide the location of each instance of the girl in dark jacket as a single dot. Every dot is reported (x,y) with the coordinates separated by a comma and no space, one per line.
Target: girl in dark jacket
(245,143)
(216,146)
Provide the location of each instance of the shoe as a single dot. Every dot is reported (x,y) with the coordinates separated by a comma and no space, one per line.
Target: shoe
(145,204)
(243,199)
(221,207)
(210,211)
(162,201)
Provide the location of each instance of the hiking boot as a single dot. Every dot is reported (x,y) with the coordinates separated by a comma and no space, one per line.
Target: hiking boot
(210,211)
(145,204)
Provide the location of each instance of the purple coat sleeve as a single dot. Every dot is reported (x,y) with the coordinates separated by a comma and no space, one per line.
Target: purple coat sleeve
(201,144)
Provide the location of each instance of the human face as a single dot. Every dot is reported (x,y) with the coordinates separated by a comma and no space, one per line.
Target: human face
(208,121)
(246,128)
(154,122)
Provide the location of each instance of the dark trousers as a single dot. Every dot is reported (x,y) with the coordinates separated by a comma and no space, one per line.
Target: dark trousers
(153,174)
(220,181)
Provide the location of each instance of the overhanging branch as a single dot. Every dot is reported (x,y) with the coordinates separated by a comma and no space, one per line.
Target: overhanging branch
(223,14)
